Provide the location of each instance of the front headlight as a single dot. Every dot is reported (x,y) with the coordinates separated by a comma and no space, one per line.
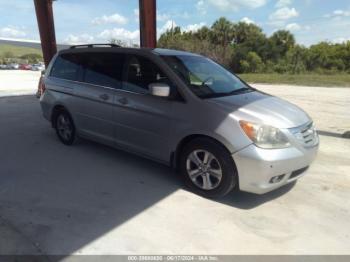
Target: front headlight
(265,136)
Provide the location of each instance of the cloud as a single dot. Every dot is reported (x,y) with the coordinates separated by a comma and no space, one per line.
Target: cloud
(283,3)
(137,15)
(340,40)
(331,30)
(193,27)
(201,7)
(247,20)
(162,17)
(235,5)
(120,34)
(284,13)
(112,19)
(341,13)
(167,26)
(136,12)
(338,13)
(11,31)
(293,27)
(78,39)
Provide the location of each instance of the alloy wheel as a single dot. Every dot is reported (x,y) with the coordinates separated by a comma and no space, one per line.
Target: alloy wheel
(64,127)
(204,169)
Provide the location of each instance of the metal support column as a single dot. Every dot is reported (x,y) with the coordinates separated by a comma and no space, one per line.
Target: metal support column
(44,15)
(148,26)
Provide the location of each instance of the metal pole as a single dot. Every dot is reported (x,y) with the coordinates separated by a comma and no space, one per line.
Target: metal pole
(148,26)
(44,15)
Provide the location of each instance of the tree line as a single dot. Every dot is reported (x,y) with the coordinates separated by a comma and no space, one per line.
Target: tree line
(244,48)
(10,57)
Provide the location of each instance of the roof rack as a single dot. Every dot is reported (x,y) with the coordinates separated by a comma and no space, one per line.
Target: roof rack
(94,45)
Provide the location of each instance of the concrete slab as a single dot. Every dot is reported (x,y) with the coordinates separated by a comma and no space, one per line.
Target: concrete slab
(91,199)
(18,82)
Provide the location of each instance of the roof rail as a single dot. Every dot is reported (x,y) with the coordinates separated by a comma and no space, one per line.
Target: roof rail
(94,45)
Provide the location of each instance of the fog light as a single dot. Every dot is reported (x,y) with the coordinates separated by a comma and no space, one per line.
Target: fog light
(276,179)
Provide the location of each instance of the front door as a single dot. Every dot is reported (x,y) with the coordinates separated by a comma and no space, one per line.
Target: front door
(143,121)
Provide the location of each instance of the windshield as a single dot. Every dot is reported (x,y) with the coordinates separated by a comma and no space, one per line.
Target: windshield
(204,77)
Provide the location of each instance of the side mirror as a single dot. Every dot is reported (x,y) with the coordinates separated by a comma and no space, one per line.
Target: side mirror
(43,72)
(159,89)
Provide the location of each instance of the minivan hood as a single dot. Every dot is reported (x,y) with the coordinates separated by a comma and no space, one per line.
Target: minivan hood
(261,108)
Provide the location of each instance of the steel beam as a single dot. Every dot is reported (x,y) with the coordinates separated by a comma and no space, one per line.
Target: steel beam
(148,26)
(44,15)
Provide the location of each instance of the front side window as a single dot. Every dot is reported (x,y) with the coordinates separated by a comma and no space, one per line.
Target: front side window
(66,67)
(204,77)
(104,69)
(140,73)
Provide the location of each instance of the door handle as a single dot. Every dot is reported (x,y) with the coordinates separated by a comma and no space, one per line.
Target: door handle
(104,97)
(123,101)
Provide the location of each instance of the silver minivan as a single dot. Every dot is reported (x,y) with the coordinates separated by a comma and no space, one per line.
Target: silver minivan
(180,109)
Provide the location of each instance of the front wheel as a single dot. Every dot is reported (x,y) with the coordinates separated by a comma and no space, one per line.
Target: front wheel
(65,128)
(208,168)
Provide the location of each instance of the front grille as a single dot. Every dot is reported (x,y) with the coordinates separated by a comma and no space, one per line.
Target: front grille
(306,135)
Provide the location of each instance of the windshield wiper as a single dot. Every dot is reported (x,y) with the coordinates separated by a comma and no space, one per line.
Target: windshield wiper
(239,91)
(234,92)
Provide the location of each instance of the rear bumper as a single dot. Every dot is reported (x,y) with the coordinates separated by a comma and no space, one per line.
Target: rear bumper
(46,108)
(257,167)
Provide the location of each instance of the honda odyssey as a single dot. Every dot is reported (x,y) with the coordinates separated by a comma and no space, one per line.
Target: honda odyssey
(181,109)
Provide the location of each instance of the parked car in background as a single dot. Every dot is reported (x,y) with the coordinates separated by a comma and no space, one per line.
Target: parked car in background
(180,109)
(38,67)
(13,66)
(3,67)
(25,67)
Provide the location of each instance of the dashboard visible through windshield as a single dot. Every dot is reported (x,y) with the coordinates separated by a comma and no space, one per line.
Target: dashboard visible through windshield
(204,77)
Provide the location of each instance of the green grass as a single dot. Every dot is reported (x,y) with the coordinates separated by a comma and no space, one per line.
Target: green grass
(18,50)
(336,80)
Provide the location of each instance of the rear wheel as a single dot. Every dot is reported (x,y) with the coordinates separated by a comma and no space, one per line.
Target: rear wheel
(65,129)
(208,168)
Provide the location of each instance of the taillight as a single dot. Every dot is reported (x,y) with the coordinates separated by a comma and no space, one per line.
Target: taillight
(42,87)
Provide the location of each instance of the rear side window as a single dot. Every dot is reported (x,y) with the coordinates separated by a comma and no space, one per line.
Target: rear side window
(104,69)
(66,67)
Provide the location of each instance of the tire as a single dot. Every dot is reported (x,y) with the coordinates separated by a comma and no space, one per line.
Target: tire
(201,178)
(64,127)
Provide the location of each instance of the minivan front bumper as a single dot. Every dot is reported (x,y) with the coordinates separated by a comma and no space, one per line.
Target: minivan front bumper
(263,170)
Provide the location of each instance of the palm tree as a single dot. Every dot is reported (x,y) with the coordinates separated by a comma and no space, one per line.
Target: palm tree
(222,32)
(281,41)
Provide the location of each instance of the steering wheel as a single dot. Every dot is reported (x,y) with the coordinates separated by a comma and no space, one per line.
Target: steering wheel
(207,80)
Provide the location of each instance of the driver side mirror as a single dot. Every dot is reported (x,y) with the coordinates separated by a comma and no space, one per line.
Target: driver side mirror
(159,89)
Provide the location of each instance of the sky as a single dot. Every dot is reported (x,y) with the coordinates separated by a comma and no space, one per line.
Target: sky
(86,21)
